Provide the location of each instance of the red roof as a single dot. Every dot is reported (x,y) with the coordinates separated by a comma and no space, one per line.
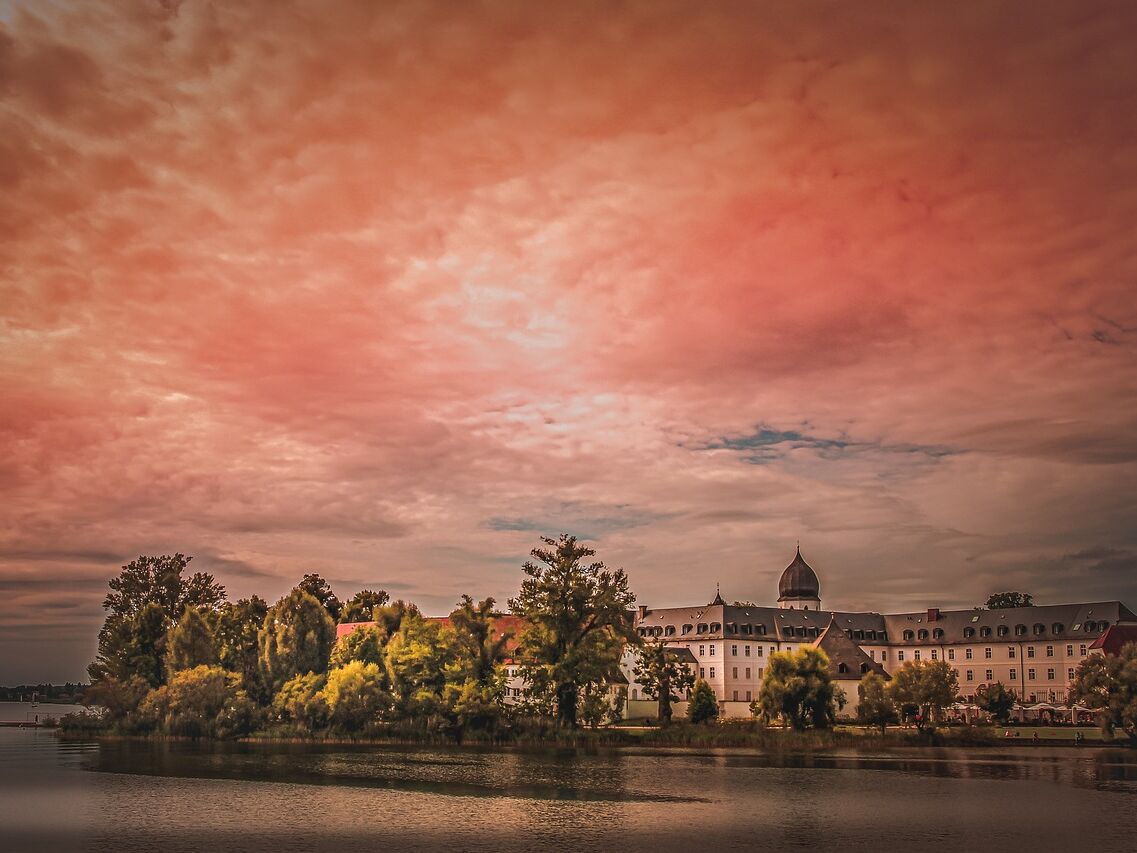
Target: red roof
(1114,638)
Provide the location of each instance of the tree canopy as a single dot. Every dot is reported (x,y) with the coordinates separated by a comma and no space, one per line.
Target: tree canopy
(996,700)
(361,606)
(190,643)
(577,622)
(1108,684)
(926,687)
(797,688)
(663,676)
(1007,600)
(874,705)
(321,590)
(702,706)
(296,638)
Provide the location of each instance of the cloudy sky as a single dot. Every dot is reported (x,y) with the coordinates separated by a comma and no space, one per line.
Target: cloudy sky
(388,290)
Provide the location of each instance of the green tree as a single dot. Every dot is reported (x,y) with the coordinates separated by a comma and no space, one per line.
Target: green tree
(874,705)
(389,617)
(366,643)
(355,693)
(321,590)
(420,661)
(479,646)
(205,701)
(361,607)
(144,601)
(296,637)
(929,686)
(301,700)
(663,676)
(1006,600)
(577,621)
(121,699)
(1108,684)
(237,627)
(703,706)
(797,688)
(190,643)
(997,701)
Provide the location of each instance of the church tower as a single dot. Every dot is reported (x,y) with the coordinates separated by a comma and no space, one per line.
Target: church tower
(799,588)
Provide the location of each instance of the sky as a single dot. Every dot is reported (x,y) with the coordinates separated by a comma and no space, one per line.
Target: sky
(387,291)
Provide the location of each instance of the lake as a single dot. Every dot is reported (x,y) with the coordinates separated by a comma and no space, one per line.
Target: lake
(140,796)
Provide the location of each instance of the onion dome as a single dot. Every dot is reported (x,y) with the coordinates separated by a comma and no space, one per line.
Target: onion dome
(798,581)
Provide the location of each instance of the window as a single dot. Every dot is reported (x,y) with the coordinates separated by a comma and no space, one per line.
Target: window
(951,654)
(734,672)
(916,656)
(884,654)
(1070,651)
(1011,651)
(670,631)
(1014,673)
(701,628)
(746,649)
(990,676)
(687,629)
(759,672)
(908,635)
(967,653)
(715,627)
(984,632)
(1050,651)
(938,634)
(934,655)
(971,675)
(1083,649)
(900,655)
(748,699)
(1020,630)
(1030,674)
(968,633)
(1057,628)
(702,673)
(702,650)
(789,648)
(1049,675)
(735,695)
(1030,651)
(1070,674)
(987,653)
(872,654)
(842,668)
(712,651)
(1003,630)
(1039,629)
(748,672)
(758,651)
(712,672)
(734,651)
(922,634)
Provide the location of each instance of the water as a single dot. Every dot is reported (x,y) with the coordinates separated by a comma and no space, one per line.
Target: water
(127,796)
(26,712)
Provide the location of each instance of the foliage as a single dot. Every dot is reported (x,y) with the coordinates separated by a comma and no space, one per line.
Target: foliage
(121,698)
(577,623)
(797,688)
(703,706)
(236,629)
(320,590)
(144,601)
(420,659)
(1006,600)
(928,686)
(874,705)
(663,676)
(296,638)
(190,643)
(365,643)
(1108,684)
(361,607)
(355,694)
(301,700)
(480,650)
(205,701)
(389,617)
(473,704)
(996,700)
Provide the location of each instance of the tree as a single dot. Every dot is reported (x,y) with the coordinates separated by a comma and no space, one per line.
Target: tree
(663,676)
(355,693)
(420,660)
(703,706)
(365,643)
(481,650)
(320,590)
(204,701)
(389,617)
(301,700)
(928,686)
(237,626)
(361,607)
(797,688)
(577,622)
(874,706)
(190,643)
(997,701)
(1006,600)
(144,601)
(1108,684)
(296,638)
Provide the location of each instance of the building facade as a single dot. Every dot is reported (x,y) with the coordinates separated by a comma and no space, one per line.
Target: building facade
(1031,650)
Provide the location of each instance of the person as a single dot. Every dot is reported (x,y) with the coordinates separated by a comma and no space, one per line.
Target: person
(1036,737)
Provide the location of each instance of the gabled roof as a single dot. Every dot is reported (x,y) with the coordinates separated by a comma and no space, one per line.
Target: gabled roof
(1114,638)
(844,653)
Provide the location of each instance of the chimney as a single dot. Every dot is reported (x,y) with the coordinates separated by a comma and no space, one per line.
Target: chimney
(641,612)
(933,614)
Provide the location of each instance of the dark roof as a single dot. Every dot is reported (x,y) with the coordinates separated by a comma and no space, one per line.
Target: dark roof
(799,580)
(1114,638)
(1040,623)
(843,652)
(754,623)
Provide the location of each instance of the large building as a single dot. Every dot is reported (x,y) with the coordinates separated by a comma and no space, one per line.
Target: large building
(1032,650)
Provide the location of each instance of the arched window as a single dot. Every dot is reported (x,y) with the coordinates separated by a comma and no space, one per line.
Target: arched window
(715,627)
(922,634)
(1020,630)
(968,633)
(1039,629)
(1057,628)
(938,634)
(701,628)
(748,629)
(761,629)
(1003,630)
(984,632)
(864,668)
(908,635)
(841,668)
(658,630)
(687,629)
